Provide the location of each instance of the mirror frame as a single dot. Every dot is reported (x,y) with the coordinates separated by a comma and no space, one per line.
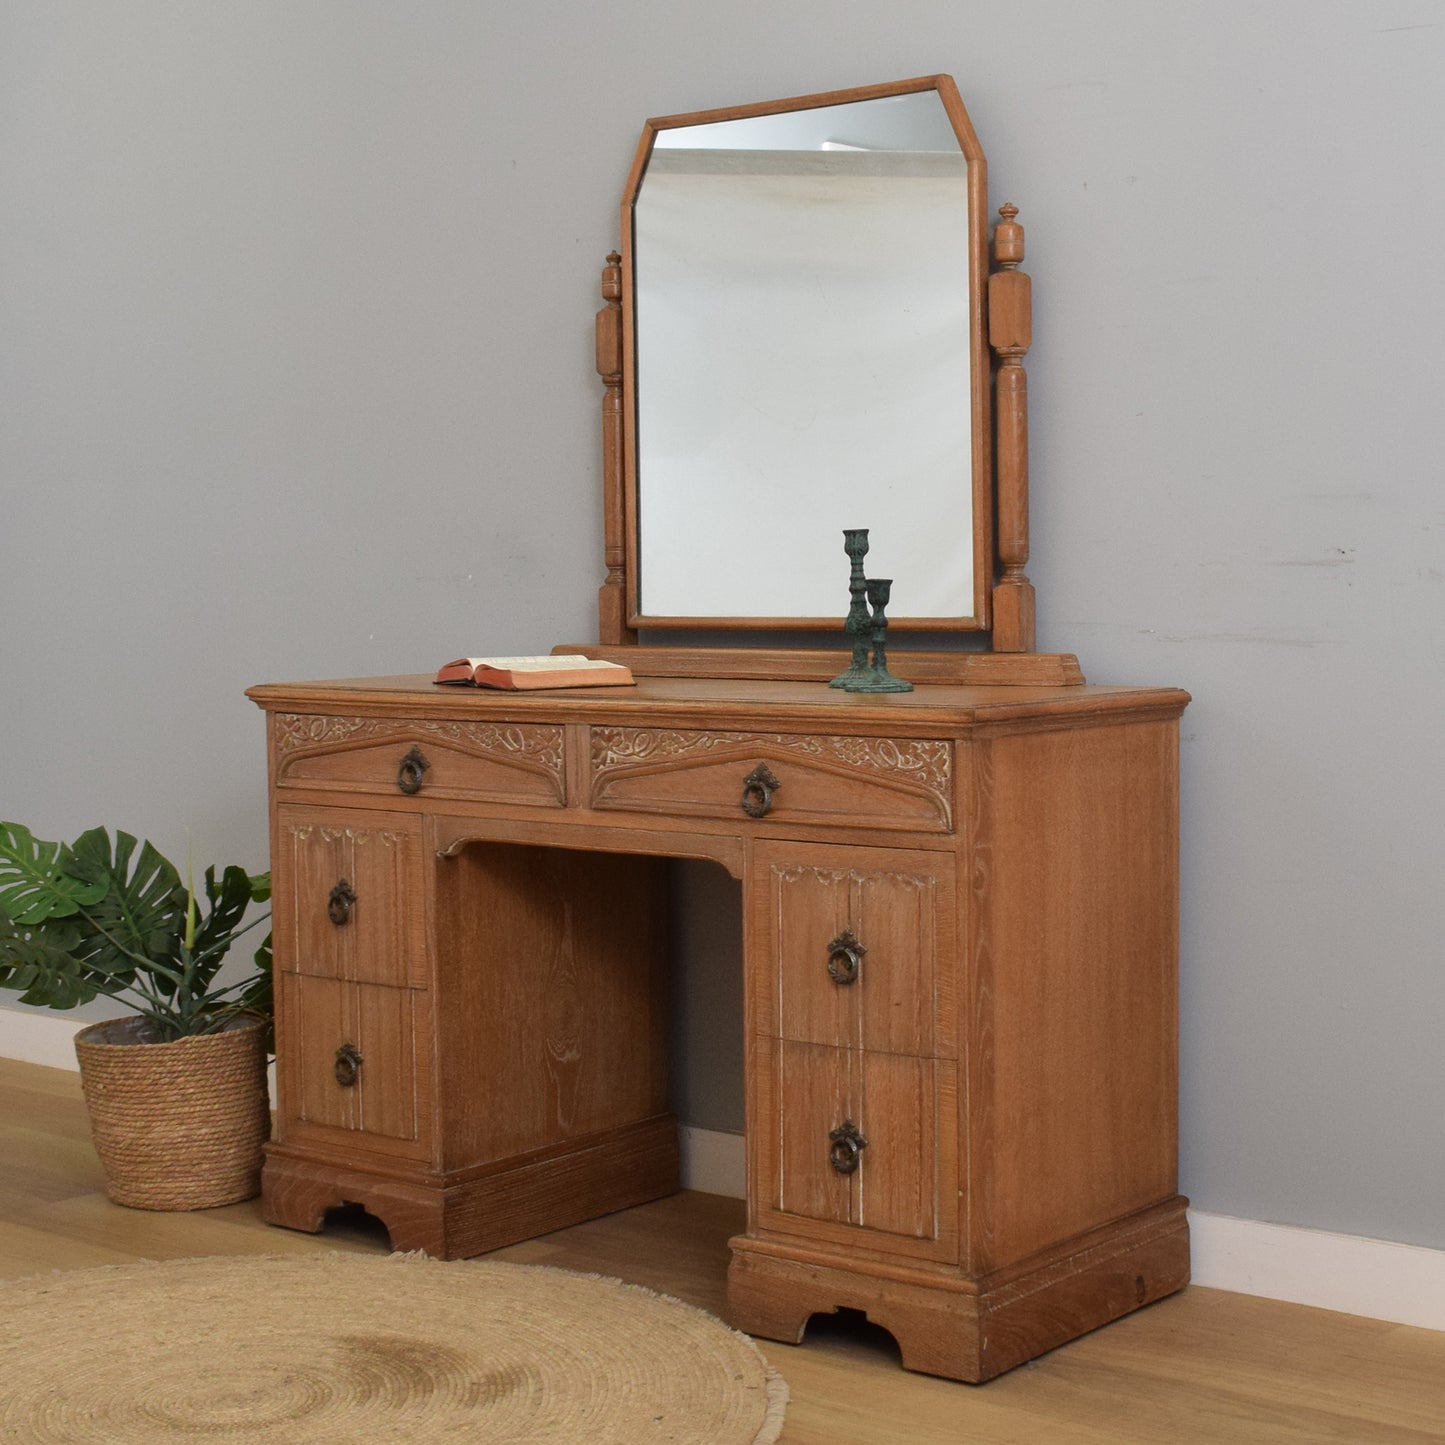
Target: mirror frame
(623,438)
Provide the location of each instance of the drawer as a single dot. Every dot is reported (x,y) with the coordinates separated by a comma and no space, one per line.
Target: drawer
(349,895)
(863,1152)
(775,778)
(855,947)
(354,1064)
(471,761)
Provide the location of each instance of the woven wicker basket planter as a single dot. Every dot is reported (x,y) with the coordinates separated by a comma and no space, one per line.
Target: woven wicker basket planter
(177,1125)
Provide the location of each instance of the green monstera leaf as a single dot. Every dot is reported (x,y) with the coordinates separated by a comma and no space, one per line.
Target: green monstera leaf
(39,961)
(227,900)
(34,885)
(110,916)
(141,913)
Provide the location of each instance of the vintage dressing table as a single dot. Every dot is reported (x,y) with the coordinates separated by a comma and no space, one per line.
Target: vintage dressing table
(959,902)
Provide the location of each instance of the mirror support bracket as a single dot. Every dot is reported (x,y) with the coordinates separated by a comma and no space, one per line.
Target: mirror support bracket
(612,598)
(1010,333)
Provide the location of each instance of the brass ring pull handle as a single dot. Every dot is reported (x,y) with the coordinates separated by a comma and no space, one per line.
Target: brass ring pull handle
(847,1144)
(338,904)
(845,953)
(758,789)
(348,1062)
(409,774)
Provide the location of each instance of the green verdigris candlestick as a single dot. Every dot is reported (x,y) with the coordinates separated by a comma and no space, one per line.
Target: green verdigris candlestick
(879,590)
(856,625)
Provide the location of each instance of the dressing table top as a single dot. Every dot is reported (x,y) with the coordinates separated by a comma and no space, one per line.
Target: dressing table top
(711,701)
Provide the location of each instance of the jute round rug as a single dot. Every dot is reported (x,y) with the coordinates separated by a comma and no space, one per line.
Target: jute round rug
(347,1347)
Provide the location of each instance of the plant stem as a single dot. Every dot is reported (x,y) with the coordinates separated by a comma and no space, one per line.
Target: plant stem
(223,945)
(141,959)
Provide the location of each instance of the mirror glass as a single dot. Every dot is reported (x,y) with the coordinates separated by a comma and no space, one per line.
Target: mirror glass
(804,355)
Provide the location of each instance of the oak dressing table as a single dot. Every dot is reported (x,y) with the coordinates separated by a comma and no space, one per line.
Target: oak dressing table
(959,903)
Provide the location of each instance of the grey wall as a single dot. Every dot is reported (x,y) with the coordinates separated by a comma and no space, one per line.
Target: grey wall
(295,376)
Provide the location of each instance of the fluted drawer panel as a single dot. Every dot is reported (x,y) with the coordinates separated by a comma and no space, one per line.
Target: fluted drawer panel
(383,1103)
(349,891)
(902,1112)
(859,940)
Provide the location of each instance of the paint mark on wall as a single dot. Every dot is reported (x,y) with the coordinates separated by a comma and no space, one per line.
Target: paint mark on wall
(1333,557)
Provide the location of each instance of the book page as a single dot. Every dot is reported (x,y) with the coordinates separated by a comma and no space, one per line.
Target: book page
(550,663)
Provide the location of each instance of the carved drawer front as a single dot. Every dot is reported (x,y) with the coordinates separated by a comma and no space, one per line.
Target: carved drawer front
(856,1147)
(774,778)
(354,1064)
(425,758)
(349,895)
(858,948)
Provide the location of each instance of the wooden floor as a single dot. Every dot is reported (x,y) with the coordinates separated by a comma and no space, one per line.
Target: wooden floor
(1201,1367)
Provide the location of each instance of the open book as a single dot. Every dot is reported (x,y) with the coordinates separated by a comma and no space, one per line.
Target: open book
(524,673)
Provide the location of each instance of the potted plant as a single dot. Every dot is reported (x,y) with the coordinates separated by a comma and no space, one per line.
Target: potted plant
(177,1093)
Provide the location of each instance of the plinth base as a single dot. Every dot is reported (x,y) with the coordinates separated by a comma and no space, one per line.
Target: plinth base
(454,1217)
(949,1324)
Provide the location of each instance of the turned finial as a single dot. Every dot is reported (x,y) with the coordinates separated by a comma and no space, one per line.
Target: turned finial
(1008,238)
(612,277)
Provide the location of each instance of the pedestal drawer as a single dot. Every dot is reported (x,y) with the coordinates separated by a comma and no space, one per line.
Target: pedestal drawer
(355,1068)
(857,1147)
(349,890)
(903,783)
(855,948)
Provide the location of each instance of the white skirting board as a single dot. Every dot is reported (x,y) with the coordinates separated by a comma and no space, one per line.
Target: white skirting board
(41,1038)
(1377,1278)
(1402,1283)
(713,1162)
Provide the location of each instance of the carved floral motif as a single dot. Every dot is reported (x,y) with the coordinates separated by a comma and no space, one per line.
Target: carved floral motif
(788,873)
(301,832)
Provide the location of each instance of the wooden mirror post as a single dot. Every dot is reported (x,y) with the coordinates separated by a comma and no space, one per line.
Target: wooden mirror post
(612,599)
(1010,333)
